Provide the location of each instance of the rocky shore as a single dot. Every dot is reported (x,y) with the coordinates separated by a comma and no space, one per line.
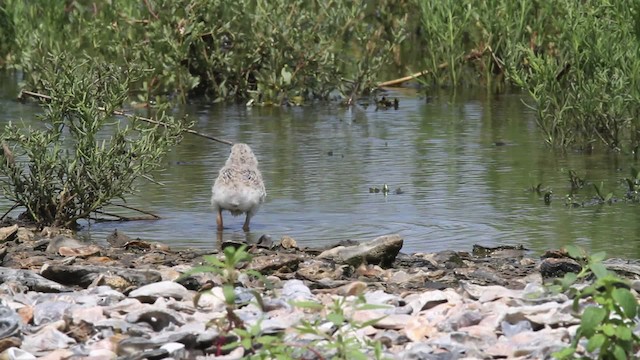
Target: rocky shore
(61,298)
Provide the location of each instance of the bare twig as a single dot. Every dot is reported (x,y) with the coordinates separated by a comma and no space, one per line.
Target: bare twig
(122,217)
(15,206)
(403,79)
(138,210)
(146,2)
(130,116)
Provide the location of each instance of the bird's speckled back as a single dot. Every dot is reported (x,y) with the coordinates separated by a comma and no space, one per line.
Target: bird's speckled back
(242,155)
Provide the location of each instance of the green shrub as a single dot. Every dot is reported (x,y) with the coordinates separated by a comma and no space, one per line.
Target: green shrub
(79,158)
(280,52)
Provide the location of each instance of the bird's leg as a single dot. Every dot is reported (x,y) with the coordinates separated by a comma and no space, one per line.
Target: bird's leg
(245,227)
(219,219)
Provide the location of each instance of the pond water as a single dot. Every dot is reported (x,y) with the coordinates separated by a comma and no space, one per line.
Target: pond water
(458,187)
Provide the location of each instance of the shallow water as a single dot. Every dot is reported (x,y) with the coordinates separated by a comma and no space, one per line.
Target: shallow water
(458,187)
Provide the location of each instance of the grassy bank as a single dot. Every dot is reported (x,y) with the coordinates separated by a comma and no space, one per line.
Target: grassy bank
(578,59)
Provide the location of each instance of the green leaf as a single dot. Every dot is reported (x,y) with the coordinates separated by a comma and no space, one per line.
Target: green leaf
(336,319)
(627,302)
(623,333)
(598,257)
(619,353)
(599,270)
(229,294)
(574,251)
(357,355)
(595,342)
(568,280)
(374,307)
(307,305)
(609,329)
(371,322)
(591,318)
(213,260)
(564,353)
(286,75)
(608,197)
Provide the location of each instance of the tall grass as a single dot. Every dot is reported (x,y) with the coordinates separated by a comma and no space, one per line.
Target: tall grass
(577,59)
(268,51)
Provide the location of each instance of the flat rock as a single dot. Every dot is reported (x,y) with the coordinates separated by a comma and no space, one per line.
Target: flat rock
(9,322)
(267,264)
(63,241)
(166,289)
(381,250)
(31,280)
(557,267)
(85,275)
(8,233)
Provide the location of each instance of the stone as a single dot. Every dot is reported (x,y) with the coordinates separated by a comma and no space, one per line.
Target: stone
(50,311)
(85,275)
(63,241)
(266,264)
(25,235)
(135,345)
(8,233)
(10,324)
(296,290)
(14,353)
(429,299)
(168,289)
(350,289)
(287,242)
(31,280)
(118,239)
(89,315)
(47,339)
(80,251)
(489,293)
(157,318)
(175,350)
(9,342)
(557,267)
(381,250)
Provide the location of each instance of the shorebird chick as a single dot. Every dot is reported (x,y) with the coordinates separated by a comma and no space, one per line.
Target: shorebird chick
(239,187)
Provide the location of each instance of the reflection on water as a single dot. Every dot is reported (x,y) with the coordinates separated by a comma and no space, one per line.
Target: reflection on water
(458,187)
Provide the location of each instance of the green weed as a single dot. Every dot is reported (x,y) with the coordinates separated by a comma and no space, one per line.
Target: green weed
(608,320)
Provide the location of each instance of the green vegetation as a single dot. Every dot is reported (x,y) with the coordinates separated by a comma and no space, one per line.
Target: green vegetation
(609,315)
(577,60)
(339,342)
(282,51)
(81,158)
(600,195)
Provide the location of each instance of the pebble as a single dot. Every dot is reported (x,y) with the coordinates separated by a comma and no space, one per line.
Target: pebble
(514,317)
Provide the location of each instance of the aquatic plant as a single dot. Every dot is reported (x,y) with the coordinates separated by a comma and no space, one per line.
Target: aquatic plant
(80,157)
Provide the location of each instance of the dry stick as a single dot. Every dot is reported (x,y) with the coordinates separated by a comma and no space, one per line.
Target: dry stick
(134,117)
(138,210)
(122,218)
(15,206)
(410,77)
